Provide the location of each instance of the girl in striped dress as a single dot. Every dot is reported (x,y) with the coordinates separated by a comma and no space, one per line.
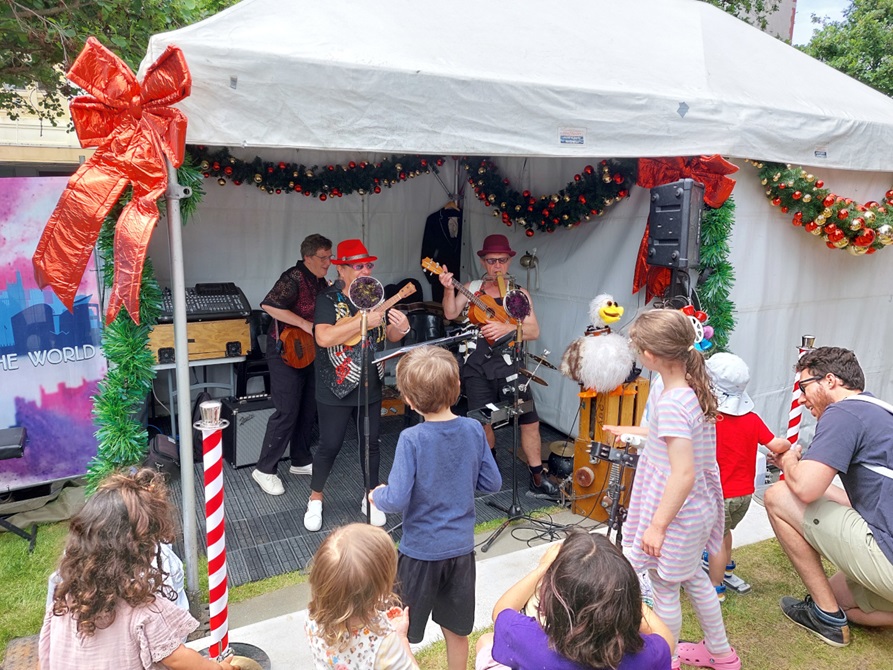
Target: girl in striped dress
(676,506)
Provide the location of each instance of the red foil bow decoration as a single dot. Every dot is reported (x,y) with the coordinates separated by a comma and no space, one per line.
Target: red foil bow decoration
(134,129)
(708,170)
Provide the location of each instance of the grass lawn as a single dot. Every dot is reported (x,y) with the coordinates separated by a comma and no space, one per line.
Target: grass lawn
(758,630)
(763,637)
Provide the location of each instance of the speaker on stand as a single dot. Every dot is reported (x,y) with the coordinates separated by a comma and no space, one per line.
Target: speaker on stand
(674,233)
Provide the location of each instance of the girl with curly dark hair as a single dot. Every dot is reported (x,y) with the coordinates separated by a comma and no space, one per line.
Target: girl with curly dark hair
(589,614)
(110,608)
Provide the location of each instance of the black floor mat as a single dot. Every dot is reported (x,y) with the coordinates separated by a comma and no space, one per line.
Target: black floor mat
(265,535)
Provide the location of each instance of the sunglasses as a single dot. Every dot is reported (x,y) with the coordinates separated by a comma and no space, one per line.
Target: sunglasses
(494,261)
(803,383)
(360,266)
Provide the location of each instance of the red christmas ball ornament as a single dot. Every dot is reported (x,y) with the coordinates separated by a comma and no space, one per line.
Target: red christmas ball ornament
(866,237)
(588,169)
(811,226)
(556,221)
(622,193)
(525,194)
(237,182)
(529,208)
(603,163)
(782,186)
(889,194)
(776,201)
(577,177)
(829,200)
(439,162)
(228,170)
(424,162)
(281,166)
(870,250)
(307,193)
(529,232)
(377,189)
(796,195)
(278,190)
(351,165)
(784,210)
(330,168)
(215,165)
(618,178)
(594,212)
(206,175)
(363,165)
(323,197)
(871,204)
(505,181)
(830,245)
(508,223)
(270,170)
(298,188)
(843,214)
(581,199)
(819,183)
(550,229)
(836,235)
(798,216)
(403,176)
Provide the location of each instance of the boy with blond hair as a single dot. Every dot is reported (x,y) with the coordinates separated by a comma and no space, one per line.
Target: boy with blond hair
(438,466)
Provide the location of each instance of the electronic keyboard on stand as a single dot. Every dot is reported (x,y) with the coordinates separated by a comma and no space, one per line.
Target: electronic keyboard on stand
(208,302)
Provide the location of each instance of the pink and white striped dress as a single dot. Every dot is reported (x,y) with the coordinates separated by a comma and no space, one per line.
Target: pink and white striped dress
(699,523)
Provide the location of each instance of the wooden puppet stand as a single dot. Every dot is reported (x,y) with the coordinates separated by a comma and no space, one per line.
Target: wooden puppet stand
(593,477)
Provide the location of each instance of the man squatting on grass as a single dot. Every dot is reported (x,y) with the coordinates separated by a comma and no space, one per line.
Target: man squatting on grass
(851,527)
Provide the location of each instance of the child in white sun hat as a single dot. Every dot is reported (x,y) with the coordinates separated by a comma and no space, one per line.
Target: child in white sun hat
(738,432)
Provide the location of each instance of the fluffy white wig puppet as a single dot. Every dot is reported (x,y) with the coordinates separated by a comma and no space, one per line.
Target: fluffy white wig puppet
(601,360)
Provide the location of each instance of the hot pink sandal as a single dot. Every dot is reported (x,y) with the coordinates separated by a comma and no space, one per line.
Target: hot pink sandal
(698,656)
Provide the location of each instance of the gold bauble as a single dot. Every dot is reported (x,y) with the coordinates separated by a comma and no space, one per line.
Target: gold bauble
(491,198)
(776,176)
(869,216)
(566,198)
(857,251)
(827,212)
(495,213)
(807,197)
(810,178)
(258,179)
(204,166)
(817,231)
(820,219)
(606,178)
(841,243)
(885,234)
(764,181)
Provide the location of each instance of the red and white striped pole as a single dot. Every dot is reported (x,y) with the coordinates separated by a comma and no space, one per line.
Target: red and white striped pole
(796,413)
(212,433)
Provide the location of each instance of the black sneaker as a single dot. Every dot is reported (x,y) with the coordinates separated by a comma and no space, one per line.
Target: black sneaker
(546,490)
(802,613)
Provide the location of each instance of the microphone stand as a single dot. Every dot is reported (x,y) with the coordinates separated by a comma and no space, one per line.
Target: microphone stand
(514,512)
(364,380)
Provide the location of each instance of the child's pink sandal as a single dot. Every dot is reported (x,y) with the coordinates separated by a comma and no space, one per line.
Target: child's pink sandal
(697,655)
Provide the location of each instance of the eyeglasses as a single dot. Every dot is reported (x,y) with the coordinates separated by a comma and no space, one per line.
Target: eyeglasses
(803,383)
(360,266)
(323,258)
(494,261)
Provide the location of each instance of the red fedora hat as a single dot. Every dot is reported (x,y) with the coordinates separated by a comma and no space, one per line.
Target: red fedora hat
(352,251)
(496,244)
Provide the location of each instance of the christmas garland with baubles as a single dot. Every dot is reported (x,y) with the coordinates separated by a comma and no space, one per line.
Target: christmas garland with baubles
(589,194)
(839,221)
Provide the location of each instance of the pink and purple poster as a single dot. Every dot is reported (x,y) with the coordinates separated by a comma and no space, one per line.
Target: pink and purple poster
(50,360)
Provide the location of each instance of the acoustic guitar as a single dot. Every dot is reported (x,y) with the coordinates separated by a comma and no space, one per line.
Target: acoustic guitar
(298,348)
(407,290)
(482,308)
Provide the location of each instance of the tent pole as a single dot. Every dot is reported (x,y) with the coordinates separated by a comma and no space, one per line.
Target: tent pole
(175,192)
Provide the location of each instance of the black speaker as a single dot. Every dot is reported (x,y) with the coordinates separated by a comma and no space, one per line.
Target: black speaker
(674,224)
(243,437)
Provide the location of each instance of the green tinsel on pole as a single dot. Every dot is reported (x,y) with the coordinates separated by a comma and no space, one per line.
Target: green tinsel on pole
(121,396)
(716,229)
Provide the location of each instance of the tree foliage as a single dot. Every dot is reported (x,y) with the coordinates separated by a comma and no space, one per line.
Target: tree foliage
(860,45)
(39,40)
(755,12)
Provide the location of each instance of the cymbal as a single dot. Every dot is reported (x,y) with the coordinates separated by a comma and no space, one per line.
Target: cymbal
(532,377)
(541,361)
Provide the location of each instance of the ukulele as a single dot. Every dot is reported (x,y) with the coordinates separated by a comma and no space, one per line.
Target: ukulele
(407,290)
(298,348)
(482,308)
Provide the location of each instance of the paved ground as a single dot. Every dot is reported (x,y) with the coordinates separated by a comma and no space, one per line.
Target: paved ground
(275,622)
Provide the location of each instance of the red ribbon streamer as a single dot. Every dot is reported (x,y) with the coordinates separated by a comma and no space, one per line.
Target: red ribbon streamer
(134,129)
(708,170)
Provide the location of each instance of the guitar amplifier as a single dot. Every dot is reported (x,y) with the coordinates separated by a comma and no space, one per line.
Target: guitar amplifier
(243,438)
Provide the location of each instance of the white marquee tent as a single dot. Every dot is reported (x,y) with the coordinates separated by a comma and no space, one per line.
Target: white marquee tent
(545,89)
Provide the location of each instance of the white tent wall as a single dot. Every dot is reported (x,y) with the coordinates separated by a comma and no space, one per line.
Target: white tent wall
(787,283)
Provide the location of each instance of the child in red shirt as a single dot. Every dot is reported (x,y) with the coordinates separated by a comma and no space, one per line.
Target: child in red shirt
(738,432)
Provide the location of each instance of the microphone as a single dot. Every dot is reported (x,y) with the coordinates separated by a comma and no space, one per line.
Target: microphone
(338,284)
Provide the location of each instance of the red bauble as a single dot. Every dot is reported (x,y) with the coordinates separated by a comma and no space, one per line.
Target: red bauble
(829,200)
(618,178)
(215,165)
(835,235)
(270,170)
(577,177)
(525,194)
(377,189)
(323,197)
(782,186)
(363,165)
(298,188)
(281,166)
(228,170)
(351,165)
(866,237)
(798,216)
(784,210)
(424,162)
(622,193)
(776,201)
(588,169)
(330,168)
(843,214)
(819,183)
(439,162)
(307,193)
(581,199)
(529,232)
(796,195)
(278,190)
(811,226)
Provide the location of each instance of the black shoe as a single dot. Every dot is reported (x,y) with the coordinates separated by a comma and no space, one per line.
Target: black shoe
(546,490)
(802,613)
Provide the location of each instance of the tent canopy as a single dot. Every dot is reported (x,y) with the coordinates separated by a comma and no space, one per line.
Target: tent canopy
(581,78)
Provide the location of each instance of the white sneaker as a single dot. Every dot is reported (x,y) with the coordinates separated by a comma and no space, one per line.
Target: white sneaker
(301,469)
(376,516)
(313,515)
(270,484)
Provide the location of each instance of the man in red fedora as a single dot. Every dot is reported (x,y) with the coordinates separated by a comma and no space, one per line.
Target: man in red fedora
(487,368)
(339,395)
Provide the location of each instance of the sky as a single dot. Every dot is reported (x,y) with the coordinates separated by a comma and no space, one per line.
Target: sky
(803,25)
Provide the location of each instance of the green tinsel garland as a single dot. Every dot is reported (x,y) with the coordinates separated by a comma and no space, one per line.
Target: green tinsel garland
(716,228)
(122,393)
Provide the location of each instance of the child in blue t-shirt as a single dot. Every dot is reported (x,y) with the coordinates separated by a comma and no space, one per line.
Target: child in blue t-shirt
(438,466)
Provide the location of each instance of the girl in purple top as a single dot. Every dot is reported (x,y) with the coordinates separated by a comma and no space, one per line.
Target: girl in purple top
(676,506)
(589,615)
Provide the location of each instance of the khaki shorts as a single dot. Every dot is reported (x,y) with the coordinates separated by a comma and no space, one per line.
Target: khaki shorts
(735,508)
(841,535)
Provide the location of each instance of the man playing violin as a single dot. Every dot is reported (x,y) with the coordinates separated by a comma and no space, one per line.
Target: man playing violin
(487,368)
